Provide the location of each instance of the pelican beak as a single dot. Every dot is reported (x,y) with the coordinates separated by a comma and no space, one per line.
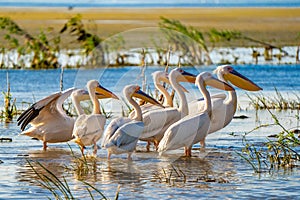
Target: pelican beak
(105,92)
(241,81)
(142,95)
(100,96)
(186,77)
(216,83)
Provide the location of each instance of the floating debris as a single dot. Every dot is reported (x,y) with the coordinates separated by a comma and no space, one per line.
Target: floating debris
(240,117)
(5,139)
(22,155)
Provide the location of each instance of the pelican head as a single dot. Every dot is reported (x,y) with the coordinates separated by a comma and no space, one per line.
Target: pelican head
(160,76)
(83,95)
(94,84)
(208,79)
(236,78)
(183,76)
(135,91)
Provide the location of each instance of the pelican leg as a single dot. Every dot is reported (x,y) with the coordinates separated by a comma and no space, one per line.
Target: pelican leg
(202,143)
(129,156)
(45,146)
(156,143)
(148,146)
(95,148)
(108,155)
(82,149)
(188,151)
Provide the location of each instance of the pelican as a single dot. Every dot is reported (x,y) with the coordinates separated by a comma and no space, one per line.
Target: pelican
(157,121)
(192,129)
(158,76)
(88,129)
(224,109)
(122,134)
(49,121)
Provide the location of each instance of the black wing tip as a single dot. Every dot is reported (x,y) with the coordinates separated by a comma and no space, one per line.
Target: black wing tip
(27,116)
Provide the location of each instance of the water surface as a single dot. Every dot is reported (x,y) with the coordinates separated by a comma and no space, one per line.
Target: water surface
(217,173)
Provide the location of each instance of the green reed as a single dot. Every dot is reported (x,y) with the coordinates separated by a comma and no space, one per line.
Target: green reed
(10,109)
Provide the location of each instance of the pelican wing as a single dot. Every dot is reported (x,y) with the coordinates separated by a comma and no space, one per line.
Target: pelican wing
(158,121)
(126,136)
(112,128)
(89,128)
(185,132)
(33,111)
(46,110)
(198,105)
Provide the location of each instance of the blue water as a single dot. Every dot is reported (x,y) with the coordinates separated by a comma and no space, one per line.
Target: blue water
(155,3)
(30,85)
(137,178)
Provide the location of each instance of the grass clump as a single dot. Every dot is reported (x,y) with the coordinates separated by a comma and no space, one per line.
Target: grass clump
(275,154)
(10,109)
(277,102)
(174,176)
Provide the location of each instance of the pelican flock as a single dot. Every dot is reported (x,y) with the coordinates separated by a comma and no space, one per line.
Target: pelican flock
(193,128)
(158,120)
(168,126)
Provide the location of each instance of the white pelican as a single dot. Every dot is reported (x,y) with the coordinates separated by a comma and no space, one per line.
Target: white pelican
(88,129)
(157,76)
(49,121)
(157,121)
(224,109)
(122,134)
(192,129)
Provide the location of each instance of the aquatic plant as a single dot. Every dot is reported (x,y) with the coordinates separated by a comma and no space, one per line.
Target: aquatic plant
(10,109)
(173,175)
(59,187)
(82,165)
(170,175)
(277,102)
(275,153)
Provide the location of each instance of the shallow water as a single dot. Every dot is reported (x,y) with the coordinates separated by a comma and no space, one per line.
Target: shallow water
(217,173)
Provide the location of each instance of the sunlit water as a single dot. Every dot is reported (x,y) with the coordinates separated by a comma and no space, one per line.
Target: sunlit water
(217,173)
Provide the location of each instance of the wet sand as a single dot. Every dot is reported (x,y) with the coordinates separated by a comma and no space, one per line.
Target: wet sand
(276,25)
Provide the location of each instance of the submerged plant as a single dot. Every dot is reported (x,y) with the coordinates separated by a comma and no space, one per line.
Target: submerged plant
(83,165)
(275,153)
(59,187)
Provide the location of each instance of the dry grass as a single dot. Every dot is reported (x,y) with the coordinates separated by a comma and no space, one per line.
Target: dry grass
(279,25)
